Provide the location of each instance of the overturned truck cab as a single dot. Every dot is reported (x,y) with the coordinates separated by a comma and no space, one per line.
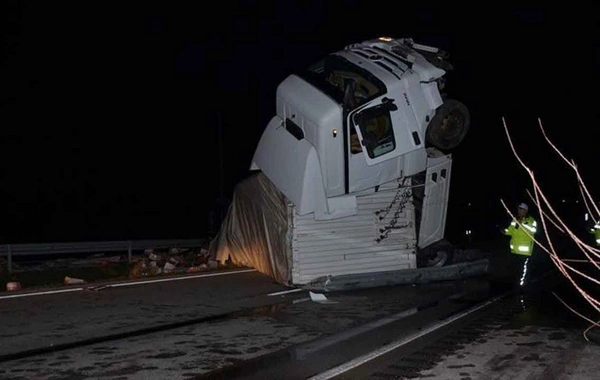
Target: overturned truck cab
(352,174)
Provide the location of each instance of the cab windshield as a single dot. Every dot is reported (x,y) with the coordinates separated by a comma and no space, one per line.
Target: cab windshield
(344,81)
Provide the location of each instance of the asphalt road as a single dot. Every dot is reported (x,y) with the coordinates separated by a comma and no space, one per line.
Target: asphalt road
(49,320)
(258,335)
(268,325)
(520,337)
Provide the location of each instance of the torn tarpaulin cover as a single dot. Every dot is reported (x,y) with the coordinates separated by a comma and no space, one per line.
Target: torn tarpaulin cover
(255,232)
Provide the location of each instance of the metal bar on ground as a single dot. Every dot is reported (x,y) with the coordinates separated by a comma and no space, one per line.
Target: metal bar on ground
(398,277)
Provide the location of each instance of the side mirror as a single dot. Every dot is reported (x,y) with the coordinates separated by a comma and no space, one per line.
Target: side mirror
(388,104)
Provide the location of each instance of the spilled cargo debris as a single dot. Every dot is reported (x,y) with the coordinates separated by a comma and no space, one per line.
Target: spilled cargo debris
(320,298)
(13,286)
(73,281)
(172,261)
(32,271)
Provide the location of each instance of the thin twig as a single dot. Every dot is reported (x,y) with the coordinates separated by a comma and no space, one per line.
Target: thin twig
(571,164)
(594,324)
(541,202)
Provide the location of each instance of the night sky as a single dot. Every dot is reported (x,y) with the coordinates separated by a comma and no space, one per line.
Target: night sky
(109,113)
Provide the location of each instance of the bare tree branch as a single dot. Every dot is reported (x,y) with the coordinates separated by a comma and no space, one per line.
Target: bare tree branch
(548,214)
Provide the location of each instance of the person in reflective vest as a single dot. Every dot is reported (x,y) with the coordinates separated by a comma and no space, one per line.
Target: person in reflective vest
(596,231)
(521,232)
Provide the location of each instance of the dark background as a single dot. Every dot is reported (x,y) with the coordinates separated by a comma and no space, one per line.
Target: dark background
(109,113)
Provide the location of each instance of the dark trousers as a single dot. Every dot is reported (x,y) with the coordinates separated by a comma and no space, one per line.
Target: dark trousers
(522,267)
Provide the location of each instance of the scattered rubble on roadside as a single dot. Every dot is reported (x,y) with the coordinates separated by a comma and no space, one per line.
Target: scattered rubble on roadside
(173,261)
(153,262)
(197,269)
(150,262)
(13,286)
(73,281)
(179,257)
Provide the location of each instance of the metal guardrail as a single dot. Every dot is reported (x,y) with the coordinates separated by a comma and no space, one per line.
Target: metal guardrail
(10,250)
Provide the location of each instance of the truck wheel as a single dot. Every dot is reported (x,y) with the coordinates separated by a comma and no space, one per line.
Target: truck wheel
(437,255)
(449,126)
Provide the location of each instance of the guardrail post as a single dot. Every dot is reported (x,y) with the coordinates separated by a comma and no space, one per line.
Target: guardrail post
(129,251)
(9,256)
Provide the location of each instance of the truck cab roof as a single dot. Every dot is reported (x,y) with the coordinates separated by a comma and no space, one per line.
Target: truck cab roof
(375,66)
(398,56)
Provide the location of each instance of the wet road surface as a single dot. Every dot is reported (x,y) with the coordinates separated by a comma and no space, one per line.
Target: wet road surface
(195,350)
(43,321)
(289,336)
(529,336)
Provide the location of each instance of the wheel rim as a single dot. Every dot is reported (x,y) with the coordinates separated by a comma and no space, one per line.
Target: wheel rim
(453,125)
(438,260)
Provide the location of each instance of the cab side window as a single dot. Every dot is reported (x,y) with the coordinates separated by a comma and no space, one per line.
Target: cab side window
(376,128)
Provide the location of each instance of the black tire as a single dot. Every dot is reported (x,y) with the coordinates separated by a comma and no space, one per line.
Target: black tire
(449,126)
(438,254)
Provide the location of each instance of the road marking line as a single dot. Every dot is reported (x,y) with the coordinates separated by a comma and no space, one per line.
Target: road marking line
(302,352)
(41,293)
(336,371)
(285,292)
(126,284)
(179,278)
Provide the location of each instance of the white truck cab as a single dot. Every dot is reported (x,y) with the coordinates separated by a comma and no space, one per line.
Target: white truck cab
(352,172)
(355,120)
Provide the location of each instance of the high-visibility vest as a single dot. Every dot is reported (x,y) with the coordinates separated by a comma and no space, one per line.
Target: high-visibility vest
(521,235)
(596,232)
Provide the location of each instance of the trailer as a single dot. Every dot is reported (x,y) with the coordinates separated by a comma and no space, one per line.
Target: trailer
(352,174)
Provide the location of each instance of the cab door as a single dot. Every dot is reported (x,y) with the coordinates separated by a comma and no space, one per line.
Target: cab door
(374,148)
(372,127)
